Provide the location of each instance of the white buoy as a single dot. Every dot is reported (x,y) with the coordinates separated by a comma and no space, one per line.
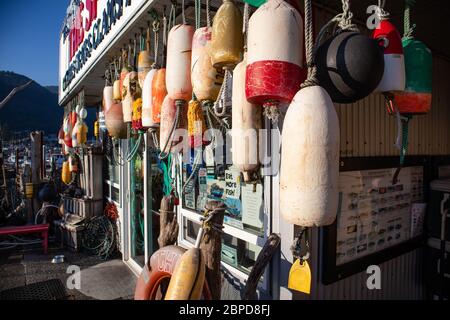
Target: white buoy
(310,160)
(179,52)
(147,100)
(247,121)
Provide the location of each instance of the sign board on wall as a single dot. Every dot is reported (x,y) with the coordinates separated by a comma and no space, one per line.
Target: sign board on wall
(91,26)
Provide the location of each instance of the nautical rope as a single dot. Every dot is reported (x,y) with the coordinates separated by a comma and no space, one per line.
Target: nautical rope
(408,29)
(223,95)
(182,12)
(381,13)
(309,44)
(195,168)
(198,14)
(245,24)
(208,14)
(342,21)
(156,26)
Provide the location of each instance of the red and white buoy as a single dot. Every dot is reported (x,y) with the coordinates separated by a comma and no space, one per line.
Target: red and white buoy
(394,77)
(275,54)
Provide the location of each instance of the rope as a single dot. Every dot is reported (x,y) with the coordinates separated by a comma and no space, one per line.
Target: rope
(245,24)
(408,29)
(198,14)
(182,12)
(156,26)
(342,21)
(309,44)
(208,14)
(222,96)
(381,14)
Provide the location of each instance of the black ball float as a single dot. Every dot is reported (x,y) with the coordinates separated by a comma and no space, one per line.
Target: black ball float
(350,66)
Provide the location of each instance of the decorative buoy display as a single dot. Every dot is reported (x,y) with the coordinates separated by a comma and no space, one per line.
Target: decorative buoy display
(227,42)
(310,155)
(66,175)
(247,122)
(125,70)
(350,65)
(394,62)
(137,114)
(206,80)
(275,54)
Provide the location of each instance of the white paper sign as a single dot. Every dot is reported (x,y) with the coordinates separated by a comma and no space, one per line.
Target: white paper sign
(232,184)
(252,206)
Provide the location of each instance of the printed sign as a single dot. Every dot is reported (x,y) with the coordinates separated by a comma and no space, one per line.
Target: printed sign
(374,213)
(252,205)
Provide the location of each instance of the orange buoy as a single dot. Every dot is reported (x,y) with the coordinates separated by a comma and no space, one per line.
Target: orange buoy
(159,92)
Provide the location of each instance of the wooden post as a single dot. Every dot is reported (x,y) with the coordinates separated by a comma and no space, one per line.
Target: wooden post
(169,228)
(211,248)
(261,263)
(36,166)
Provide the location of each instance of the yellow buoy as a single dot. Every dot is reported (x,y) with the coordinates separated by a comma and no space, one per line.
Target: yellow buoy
(227,42)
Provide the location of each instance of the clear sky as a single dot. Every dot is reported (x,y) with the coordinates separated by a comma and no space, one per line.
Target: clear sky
(29,38)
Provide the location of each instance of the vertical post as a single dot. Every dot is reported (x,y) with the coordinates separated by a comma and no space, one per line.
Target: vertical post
(36,166)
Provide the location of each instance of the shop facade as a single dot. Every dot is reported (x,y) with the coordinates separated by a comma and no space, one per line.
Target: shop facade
(339,254)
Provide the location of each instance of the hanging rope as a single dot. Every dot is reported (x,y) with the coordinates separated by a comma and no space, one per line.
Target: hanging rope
(245,24)
(182,12)
(309,44)
(156,27)
(208,14)
(381,14)
(198,13)
(408,29)
(342,22)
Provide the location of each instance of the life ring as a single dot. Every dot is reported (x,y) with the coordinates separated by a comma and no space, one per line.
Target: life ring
(160,268)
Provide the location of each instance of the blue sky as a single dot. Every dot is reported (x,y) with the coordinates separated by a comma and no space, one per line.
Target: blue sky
(29,37)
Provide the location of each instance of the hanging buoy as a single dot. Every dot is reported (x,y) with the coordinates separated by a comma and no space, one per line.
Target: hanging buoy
(117,128)
(394,63)
(310,155)
(117,90)
(82,129)
(206,80)
(350,66)
(75,133)
(227,42)
(196,124)
(137,114)
(416,99)
(147,100)
(68,131)
(159,92)
(73,164)
(144,61)
(129,91)
(275,54)
(173,117)
(61,136)
(178,73)
(247,122)
(310,160)
(66,175)
(124,72)
(108,98)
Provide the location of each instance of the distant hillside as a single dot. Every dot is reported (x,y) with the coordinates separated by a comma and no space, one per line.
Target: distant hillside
(52,89)
(34,108)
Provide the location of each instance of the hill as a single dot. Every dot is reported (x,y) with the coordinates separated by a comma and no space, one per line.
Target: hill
(34,108)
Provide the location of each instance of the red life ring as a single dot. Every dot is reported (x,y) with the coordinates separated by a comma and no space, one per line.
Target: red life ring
(160,268)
